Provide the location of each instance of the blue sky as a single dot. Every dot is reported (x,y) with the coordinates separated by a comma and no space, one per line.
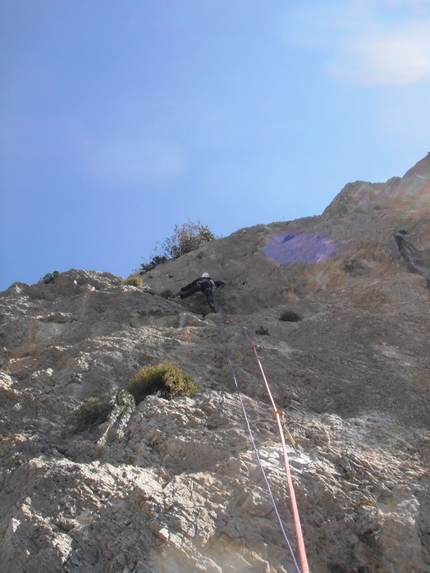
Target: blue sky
(121,119)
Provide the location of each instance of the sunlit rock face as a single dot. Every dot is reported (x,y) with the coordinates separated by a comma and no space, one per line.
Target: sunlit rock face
(176,486)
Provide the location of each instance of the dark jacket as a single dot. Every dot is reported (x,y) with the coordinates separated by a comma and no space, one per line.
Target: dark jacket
(204,283)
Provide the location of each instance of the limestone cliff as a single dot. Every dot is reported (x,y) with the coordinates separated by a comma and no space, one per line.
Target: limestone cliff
(176,487)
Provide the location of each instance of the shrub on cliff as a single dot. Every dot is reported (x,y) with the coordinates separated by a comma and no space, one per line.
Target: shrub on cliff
(90,414)
(167,380)
(186,238)
(200,308)
(189,237)
(134,280)
(290,316)
(118,405)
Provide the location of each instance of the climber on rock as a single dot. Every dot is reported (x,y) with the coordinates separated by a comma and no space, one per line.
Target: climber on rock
(204,284)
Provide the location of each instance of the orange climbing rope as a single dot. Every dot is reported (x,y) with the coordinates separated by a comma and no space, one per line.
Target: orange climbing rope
(257,455)
(278,414)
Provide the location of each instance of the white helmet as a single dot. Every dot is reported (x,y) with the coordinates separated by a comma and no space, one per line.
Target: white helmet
(206,276)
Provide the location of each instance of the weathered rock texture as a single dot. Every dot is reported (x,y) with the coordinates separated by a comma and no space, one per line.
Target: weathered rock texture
(178,489)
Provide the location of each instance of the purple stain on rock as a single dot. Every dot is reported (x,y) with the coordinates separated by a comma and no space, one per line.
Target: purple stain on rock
(306,248)
(287,238)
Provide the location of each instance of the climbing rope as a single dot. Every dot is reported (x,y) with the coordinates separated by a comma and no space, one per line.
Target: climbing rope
(280,418)
(254,445)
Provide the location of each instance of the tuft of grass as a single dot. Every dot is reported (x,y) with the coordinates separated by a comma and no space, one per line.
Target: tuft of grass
(166,380)
(118,405)
(262,330)
(134,280)
(93,413)
(200,308)
(354,266)
(290,316)
(167,293)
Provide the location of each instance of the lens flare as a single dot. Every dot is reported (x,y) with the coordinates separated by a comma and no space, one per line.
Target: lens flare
(302,248)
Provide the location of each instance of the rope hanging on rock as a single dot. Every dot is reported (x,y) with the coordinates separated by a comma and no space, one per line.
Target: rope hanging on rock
(279,416)
(254,445)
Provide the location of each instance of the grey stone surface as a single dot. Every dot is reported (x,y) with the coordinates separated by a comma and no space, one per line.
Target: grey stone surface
(177,487)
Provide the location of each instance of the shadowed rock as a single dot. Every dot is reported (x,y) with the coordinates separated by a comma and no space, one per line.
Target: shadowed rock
(417,261)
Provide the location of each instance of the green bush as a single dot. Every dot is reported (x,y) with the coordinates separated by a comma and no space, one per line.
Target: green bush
(167,293)
(290,316)
(93,413)
(262,330)
(114,407)
(200,308)
(167,380)
(134,280)
(189,237)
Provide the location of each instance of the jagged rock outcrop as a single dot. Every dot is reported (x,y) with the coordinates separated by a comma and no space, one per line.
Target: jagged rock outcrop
(178,488)
(417,261)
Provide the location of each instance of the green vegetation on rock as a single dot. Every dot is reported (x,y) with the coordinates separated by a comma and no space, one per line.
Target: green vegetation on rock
(166,380)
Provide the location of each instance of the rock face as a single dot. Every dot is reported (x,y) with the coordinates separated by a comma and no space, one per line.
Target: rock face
(418,261)
(177,486)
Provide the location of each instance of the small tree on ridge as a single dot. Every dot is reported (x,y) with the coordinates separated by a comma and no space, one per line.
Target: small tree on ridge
(186,238)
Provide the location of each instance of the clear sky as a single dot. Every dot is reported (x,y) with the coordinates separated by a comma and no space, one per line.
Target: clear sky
(120,119)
